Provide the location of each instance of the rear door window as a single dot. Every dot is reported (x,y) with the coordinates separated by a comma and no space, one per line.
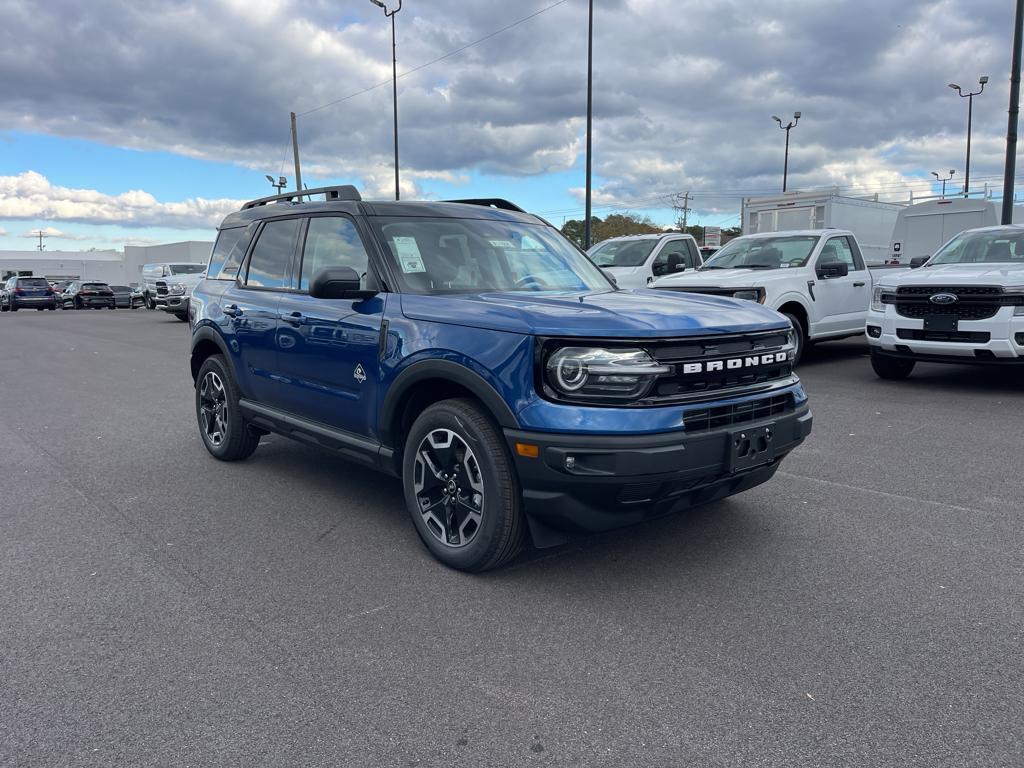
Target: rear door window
(229,252)
(271,257)
(333,241)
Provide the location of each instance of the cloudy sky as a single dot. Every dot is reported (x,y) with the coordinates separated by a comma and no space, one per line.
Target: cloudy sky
(146,121)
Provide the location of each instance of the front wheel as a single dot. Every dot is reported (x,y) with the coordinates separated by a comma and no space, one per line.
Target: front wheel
(150,304)
(461,487)
(225,434)
(887,367)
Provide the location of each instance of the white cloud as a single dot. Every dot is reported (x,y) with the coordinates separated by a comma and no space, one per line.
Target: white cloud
(31,196)
(33,234)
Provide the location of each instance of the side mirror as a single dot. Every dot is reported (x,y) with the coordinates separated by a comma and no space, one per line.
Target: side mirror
(610,276)
(918,261)
(833,269)
(337,283)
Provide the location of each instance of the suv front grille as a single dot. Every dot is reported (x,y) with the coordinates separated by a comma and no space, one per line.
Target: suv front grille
(737,413)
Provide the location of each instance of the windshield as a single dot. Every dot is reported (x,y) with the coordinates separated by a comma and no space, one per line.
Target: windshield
(32,282)
(994,247)
(480,255)
(187,269)
(764,252)
(623,253)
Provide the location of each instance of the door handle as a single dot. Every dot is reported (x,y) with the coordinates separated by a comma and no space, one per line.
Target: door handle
(858,285)
(232,310)
(295,318)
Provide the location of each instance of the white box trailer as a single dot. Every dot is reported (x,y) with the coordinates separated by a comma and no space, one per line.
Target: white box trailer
(870,220)
(921,229)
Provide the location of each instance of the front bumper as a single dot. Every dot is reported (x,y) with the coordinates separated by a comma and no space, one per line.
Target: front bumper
(1001,340)
(617,480)
(177,305)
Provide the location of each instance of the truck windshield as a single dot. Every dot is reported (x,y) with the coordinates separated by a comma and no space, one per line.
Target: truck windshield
(480,255)
(186,269)
(622,253)
(763,252)
(993,247)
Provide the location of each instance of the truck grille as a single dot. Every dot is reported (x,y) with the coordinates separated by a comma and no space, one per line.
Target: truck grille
(737,413)
(974,302)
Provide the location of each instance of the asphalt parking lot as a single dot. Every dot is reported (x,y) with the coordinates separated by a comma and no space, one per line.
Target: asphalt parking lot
(160,608)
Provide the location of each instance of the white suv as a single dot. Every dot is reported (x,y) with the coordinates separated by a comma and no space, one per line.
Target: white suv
(964,305)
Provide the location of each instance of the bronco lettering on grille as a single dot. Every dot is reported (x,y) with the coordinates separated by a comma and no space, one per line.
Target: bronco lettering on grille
(736,362)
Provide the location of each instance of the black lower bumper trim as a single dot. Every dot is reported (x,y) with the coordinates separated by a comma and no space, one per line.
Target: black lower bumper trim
(580,483)
(987,359)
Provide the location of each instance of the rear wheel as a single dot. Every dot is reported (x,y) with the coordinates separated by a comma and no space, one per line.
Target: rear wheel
(891,367)
(150,304)
(13,307)
(225,434)
(461,488)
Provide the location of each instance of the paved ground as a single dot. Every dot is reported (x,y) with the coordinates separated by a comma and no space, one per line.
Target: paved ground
(157,607)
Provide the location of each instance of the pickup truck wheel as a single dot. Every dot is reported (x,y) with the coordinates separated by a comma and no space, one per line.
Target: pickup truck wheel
(461,488)
(148,300)
(225,434)
(891,367)
(800,337)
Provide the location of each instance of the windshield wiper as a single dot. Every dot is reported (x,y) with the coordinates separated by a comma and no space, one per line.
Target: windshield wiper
(759,266)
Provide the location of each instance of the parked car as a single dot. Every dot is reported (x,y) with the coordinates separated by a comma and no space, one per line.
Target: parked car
(637,260)
(125,297)
(88,295)
(158,279)
(965,305)
(816,278)
(27,293)
(471,350)
(178,292)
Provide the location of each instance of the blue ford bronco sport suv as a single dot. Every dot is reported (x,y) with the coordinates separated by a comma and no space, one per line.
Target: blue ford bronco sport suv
(471,350)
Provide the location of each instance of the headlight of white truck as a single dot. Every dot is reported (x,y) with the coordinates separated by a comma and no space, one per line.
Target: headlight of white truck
(177,289)
(876,299)
(1019,290)
(750,294)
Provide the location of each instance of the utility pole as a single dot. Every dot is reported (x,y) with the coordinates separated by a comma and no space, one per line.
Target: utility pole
(40,234)
(681,204)
(295,151)
(1010,169)
(590,116)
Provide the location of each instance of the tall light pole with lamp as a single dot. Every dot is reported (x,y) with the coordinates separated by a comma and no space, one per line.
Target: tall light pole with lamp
(394,77)
(970,110)
(787,128)
(943,180)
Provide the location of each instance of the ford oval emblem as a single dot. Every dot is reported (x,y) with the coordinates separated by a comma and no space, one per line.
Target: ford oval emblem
(944,298)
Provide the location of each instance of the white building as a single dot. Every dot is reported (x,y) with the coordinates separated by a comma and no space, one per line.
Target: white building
(114,267)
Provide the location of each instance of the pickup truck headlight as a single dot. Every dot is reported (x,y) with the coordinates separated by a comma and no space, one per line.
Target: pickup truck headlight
(750,294)
(1018,309)
(176,289)
(876,299)
(602,374)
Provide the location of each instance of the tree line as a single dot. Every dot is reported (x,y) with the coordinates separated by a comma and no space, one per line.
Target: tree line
(620,224)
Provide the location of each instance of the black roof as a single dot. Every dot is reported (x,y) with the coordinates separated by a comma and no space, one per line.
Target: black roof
(482,209)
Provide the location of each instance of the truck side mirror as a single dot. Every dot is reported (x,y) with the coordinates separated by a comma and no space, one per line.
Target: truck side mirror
(918,261)
(833,269)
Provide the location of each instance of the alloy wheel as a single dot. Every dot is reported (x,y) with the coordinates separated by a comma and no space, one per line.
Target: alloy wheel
(213,410)
(449,487)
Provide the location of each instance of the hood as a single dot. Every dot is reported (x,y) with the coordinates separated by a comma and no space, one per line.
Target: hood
(190,280)
(726,278)
(637,313)
(952,274)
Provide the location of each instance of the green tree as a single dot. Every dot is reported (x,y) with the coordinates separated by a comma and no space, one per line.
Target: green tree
(614,225)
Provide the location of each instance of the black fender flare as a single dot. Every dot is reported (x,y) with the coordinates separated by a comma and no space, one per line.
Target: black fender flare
(450,371)
(205,333)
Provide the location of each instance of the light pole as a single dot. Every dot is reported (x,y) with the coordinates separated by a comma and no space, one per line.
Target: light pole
(280,184)
(394,77)
(590,117)
(943,180)
(1009,169)
(970,110)
(787,128)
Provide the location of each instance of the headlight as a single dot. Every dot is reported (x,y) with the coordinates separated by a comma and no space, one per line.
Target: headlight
(876,299)
(595,373)
(176,289)
(1018,309)
(750,294)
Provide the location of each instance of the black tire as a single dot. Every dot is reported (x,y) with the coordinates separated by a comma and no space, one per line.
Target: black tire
(495,535)
(800,335)
(148,300)
(40,309)
(892,368)
(237,440)
(180,316)
(78,303)
(13,307)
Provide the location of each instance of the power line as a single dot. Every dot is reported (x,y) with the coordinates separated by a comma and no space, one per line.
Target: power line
(448,55)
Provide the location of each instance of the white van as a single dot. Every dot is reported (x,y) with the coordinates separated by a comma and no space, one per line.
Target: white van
(635,261)
(921,229)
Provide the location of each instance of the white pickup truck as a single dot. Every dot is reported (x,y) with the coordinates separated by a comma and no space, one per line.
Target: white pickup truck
(965,305)
(635,261)
(815,277)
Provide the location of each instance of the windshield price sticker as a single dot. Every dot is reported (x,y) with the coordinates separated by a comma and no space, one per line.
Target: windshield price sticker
(409,255)
(502,244)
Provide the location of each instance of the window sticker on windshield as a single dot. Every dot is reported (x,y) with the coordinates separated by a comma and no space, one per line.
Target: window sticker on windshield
(502,243)
(409,255)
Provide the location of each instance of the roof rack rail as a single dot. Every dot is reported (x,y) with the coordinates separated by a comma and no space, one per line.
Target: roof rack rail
(491,202)
(344,192)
